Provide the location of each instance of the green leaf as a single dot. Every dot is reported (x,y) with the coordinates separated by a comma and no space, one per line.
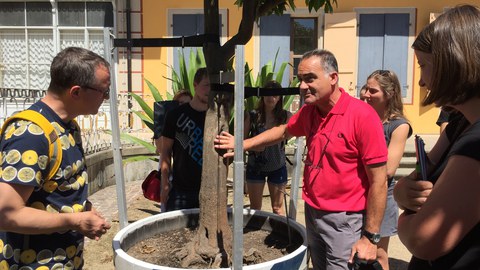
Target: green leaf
(251,103)
(153,89)
(275,59)
(140,158)
(230,64)
(328,7)
(318,4)
(176,83)
(148,111)
(287,101)
(134,140)
(191,70)
(279,77)
(291,3)
(183,70)
(200,59)
(183,78)
(127,137)
(248,76)
(142,116)
(266,74)
(147,121)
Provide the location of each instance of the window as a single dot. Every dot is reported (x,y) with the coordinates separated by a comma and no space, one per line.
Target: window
(30,37)
(286,39)
(275,43)
(385,37)
(304,38)
(188,23)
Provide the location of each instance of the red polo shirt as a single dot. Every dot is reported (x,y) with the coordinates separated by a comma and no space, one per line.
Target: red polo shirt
(339,146)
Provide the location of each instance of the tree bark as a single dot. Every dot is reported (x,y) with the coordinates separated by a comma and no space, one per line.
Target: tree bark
(213,241)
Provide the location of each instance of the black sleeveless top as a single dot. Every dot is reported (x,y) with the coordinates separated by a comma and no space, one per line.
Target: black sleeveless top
(466,255)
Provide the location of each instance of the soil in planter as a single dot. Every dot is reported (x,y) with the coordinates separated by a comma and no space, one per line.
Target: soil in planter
(259,246)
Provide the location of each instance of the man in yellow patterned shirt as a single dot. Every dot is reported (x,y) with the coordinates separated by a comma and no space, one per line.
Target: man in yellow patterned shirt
(43,221)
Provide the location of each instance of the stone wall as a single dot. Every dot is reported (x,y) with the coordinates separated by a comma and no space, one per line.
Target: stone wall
(102,172)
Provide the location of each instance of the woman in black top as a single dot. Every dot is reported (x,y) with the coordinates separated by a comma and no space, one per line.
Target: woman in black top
(444,233)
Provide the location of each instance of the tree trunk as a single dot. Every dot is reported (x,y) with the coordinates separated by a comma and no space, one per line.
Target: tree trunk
(214,238)
(214,234)
(213,242)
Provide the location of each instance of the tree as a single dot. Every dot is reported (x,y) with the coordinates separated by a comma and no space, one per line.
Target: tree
(214,237)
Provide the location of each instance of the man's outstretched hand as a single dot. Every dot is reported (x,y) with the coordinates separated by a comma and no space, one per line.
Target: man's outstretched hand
(225,141)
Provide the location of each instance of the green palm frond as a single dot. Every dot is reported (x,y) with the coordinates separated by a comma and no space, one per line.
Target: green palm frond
(153,89)
(150,147)
(147,121)
(141,158)
(249,81)
(137,141)
(287,100)
(281,71)
(184,73)
(146,109)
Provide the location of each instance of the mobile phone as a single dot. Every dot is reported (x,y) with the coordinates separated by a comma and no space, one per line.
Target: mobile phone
(421,167)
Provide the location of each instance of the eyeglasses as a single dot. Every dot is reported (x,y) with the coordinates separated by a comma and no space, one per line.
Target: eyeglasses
(105,93)
(309,163)
(383,72)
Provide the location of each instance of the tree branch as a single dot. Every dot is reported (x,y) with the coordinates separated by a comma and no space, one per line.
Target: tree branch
(250,13)
(245,30)
(268,6)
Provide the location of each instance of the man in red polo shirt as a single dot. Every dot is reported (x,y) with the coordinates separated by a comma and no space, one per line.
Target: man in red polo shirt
(345,177)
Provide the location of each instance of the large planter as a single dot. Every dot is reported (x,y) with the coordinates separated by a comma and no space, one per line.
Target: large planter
(150,226)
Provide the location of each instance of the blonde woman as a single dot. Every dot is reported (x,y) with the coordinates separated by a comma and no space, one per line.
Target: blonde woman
(383,93)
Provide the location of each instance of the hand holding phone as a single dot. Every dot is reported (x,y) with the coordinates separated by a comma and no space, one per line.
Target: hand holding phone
(421,167)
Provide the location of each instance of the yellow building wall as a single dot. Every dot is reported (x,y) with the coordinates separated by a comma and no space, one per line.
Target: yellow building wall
(155,25)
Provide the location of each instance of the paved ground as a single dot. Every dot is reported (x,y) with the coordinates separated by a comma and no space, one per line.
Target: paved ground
(105,201)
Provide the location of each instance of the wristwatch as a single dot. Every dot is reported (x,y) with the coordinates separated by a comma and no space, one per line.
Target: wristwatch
(373,237)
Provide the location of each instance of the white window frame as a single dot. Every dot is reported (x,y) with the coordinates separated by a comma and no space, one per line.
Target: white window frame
(299,13)
(170,50)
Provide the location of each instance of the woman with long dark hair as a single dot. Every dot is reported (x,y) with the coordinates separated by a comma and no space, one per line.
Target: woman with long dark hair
(269,164)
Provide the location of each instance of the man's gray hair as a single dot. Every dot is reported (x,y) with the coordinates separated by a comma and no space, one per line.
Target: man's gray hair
(329,61)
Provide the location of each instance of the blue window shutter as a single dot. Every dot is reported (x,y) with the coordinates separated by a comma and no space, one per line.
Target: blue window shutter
(383,44)
(370,47)
(275,35)
(186,25)
(396,47)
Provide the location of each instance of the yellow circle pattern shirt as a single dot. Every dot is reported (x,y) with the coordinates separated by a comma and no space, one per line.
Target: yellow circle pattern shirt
(24,161)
